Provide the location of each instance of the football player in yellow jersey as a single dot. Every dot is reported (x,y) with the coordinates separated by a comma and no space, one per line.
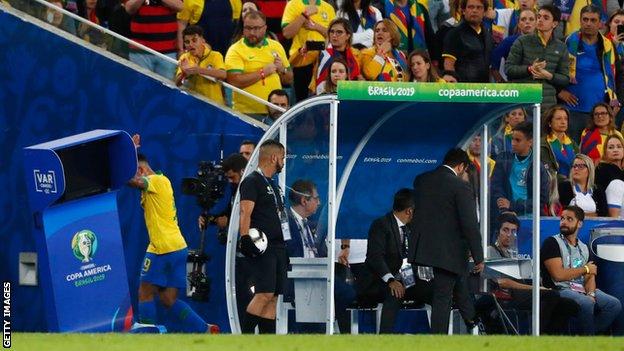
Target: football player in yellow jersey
(164,266)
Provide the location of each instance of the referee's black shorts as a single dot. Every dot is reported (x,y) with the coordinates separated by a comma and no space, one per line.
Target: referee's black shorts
(270,269)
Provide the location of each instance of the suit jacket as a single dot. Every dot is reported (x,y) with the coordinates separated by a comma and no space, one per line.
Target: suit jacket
(294,246)
(383,252)
(445,223)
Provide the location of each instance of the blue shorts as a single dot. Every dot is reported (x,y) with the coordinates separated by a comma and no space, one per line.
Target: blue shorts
(166,270)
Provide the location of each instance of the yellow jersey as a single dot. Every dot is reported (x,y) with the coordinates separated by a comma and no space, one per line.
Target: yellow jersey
(323,16)
(192,10)
(197,83)
(160,216)
(244,58)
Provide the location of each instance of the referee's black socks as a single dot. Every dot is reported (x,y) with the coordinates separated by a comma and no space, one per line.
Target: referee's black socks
(249,323)
(266,326)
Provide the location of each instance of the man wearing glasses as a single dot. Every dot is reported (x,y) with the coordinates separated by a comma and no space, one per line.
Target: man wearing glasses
(256,64)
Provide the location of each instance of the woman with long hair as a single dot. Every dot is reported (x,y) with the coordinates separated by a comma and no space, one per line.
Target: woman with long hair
(384,61)
(362,17)
(580,189)
(526,25)
(558,149)
(340,36)
(609,174)
(339,70)
(600,126)
(421,68)
(617,19)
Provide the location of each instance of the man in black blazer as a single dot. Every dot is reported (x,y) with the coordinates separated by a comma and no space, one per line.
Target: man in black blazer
(307,242)
(304,202)
(386,255)
(444,229)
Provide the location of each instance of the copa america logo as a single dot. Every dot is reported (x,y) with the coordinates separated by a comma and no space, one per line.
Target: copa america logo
(84,245)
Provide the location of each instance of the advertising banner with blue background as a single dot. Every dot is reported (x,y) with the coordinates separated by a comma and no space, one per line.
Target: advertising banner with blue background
(87,268)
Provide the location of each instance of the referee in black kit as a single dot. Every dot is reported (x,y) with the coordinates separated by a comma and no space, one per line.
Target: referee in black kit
(262,207)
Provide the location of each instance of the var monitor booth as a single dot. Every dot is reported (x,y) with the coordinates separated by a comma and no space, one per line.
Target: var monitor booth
(358,148)
(72,187)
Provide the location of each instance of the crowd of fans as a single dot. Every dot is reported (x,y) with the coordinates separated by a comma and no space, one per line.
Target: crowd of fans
(305,48)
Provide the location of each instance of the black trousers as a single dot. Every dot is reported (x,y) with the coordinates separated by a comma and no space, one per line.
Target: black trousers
(420,293)
(447,285)
(302,78)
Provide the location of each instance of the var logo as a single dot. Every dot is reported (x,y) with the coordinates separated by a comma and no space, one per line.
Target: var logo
(45,182)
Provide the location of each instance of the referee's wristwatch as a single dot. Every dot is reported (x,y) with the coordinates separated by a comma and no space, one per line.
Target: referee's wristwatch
(344,246)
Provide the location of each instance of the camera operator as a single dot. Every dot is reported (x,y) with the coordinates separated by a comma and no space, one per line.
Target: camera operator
(233,168)
(262,208)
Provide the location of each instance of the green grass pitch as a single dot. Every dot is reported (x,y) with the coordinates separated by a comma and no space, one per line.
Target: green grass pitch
(180,342)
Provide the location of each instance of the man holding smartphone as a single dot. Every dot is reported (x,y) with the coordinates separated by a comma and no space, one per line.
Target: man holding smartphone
(592,80)
(306,23)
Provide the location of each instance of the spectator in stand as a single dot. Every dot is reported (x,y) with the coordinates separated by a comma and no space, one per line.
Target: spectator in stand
(88,9)
(512,179)
(601,125)
(526,25)
(504,20)
(412,21)
(280,98)
(154,25)
(307,25)
(339,46)
(501,141)
(273,10)
(443,29)
(421,68)
(267,69)
(540,57)
(592,71)
(616,19)
(56,18)
(610,177)
(580,190)
(216,17)
(384,61)
(570,18)
(439,13)
(450,76)
(246,148)
(200,60)
(362,18)
(474,154)
(338,71)
(468,47)
(558,149)
(248,6)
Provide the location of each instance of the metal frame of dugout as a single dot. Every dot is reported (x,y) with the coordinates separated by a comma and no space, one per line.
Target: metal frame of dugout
(72,187)
(452,112)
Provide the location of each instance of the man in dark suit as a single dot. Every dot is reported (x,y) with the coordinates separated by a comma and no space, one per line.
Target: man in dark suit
(306,242)
(386,256)
(304,202)
(445,228)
